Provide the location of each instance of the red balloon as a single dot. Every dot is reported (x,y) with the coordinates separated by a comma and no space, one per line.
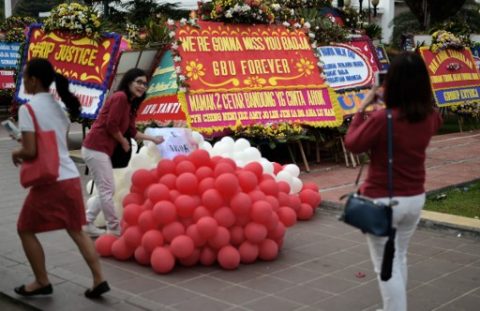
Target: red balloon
(277,167)
(203,172)
(131,213)
(255,168)
(268,250)
(305,212)
(152,239)
(174,195)
(287,216)
(278,232)
(103,245)
(158,192)
(229,162)
(294,202)
(142,256)
(283,186)
(229,257)
(165,166)
(261,212)
(241,203)
(169,180)
(257,195)
(205,184)
(200,212)
(283,199)
(172,230)
(236,235)
(311,186)
(182,246)
(266,176)
(248,180)
(191,260)
(200,158)
(212,199)
(242,220)
(207,256)
(248,252)
(207,227)
(185,167)
(146,221)
(215,160)
(143,178)
(273,202)
(147,205)
(162,260)
(185,205)
(180,158)
(132,198)
(272,222)
(133,237)
(224,217)
(227,184)
(120,250)
(310,197)
(187,183)
(255,232)
(192,232)
(165,212)
(220,239)
(223,168)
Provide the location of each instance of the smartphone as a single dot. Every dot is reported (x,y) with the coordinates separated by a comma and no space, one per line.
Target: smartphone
(380,78)
(12,129)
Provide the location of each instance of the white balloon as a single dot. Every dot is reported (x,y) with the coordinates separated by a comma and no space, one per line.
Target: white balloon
(228,141)
(126,179)
(241,144)
(143,150)
(296,185)
(205,145)
(284,176)
(293,169)
(252,154)
(134,144)
(139,160)
(267,166)
(89,189)
(197,137)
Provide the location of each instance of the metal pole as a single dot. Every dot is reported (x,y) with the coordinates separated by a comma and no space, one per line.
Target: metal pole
(8,8)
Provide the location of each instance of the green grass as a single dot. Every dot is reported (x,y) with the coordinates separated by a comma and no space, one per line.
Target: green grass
(461,201)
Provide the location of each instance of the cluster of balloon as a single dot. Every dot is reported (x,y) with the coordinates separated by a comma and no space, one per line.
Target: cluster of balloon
(202,209)
(147,157)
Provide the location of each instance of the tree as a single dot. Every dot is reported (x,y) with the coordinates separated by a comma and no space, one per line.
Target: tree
(33,7)
(430,12)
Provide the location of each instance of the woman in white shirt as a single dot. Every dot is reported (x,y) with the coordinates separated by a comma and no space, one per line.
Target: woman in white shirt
(57,205)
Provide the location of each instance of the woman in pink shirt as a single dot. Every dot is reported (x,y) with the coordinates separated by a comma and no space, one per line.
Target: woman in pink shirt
(116,118)
(407,92)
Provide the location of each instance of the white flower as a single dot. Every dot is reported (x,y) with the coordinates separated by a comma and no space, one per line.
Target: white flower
(171,34)
(228,14)
(182,89)
(182,78)
(276,7)
(183,21)
(286,24)
(237,8)
(246,8)
(178,69)
(307,25)
(170,22)
(297,25)
(311,35)
(314,45)
(174,46)
(292,12)
(177,59)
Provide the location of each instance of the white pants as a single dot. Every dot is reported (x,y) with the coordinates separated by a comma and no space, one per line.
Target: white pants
(406,216)
(101,167)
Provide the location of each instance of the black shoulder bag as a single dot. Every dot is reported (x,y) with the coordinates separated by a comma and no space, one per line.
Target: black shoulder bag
(120,157)
(372,216)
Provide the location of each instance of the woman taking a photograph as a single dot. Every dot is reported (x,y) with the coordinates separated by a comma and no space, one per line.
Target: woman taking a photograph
(407,92)
(115,121)
(57,205)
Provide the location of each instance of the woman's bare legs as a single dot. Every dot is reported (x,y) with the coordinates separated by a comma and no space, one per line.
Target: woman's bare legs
(36,257)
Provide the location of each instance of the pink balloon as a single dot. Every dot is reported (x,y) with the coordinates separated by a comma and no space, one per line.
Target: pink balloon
(248,180)
(206,184)
(227,184)
(187,183)
(224,217)
(229,257)
(236,235)
(169,180)
(220,239)
(203,172)
(287,216)
(185,167)
(261,212)
(200,158)
(143,178)
(131,212)
(133,237)
(103,245)
(192,232)
(165,166)
(207,227)
(146,221)
(248,252)
(151,239)
(120,250)
(255,232)
(182,246)
(212,199)
(268,250)
(132,198)
(142,256)
(158,192)
(191,260)
(185,205)
(241,203)
(207,256)
(305,212)
(172,230)
(255,168)
(162,260)
(200,212)
(165,212)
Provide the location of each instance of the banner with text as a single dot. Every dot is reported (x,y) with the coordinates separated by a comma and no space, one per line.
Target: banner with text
(87,63)
(454,76)
(9,55)
(245,74)
(7,79)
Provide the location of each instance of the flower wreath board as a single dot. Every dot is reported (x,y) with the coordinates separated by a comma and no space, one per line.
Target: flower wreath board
(9,57)
(222,76)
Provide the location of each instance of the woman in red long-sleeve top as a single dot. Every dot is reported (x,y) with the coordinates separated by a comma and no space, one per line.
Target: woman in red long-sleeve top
(115,119)
(408,93)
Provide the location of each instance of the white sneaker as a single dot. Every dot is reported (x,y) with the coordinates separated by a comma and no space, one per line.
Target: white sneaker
(92,230)
(115,231)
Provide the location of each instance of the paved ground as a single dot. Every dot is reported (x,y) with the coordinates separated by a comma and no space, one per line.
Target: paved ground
(318,268)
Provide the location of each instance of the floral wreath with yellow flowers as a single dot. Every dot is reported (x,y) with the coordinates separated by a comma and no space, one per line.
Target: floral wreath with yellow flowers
(13,28)
(74,18)
(443,39)
(271,133)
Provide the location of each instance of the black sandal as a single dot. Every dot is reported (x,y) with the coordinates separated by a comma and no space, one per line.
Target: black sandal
(45,290)
(98,291)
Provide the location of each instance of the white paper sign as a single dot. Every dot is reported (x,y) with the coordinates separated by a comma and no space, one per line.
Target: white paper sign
(178,140)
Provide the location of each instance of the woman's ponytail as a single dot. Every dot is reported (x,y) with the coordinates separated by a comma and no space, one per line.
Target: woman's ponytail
(71,101)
